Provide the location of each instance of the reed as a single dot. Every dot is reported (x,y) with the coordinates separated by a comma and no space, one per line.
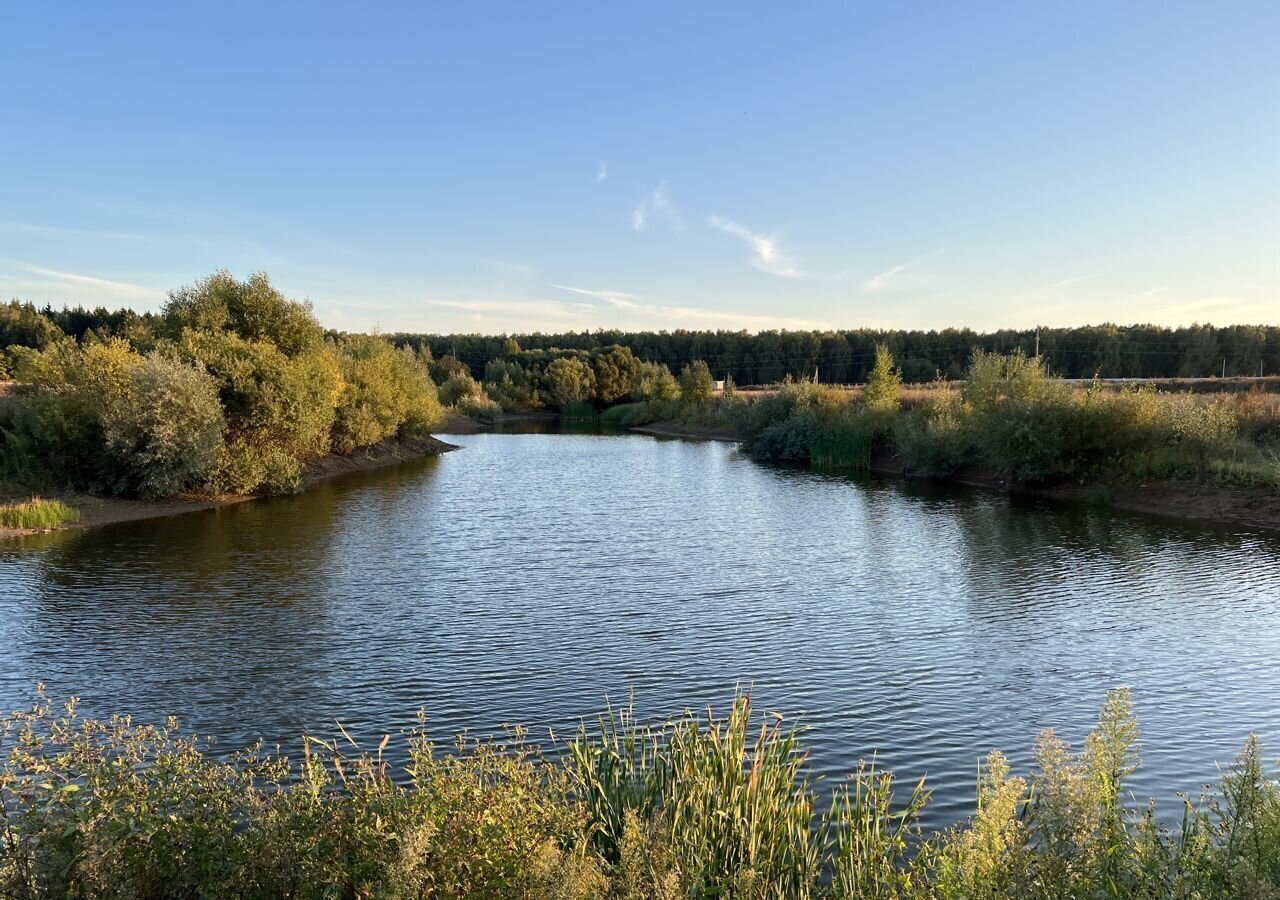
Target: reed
(579,412)
(700,806)
(37,514)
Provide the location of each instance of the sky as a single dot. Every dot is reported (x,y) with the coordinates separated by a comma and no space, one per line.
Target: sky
(512,167)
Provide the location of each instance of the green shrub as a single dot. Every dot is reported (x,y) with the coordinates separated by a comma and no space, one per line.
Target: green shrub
(267,395)
(52,439)
(1021,418)
(53,435)
(696,383)
(459,387)
(242,467)
(37,513)
(446,367)
(481,408)
(507,384)
(385,391)
(616,372)
(164,432)
(654,381)
(569,381)
(250,309)
(933,438)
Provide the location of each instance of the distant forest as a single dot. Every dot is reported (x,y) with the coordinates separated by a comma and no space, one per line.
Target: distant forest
(838,357)
(845,357)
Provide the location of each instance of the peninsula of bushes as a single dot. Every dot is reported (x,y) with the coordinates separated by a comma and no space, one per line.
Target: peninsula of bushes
(231,389)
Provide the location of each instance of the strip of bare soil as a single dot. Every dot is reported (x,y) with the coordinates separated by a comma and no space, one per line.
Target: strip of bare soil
(96,511)
(683,430)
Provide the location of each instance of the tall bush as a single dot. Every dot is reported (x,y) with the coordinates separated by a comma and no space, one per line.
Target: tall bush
(164,431)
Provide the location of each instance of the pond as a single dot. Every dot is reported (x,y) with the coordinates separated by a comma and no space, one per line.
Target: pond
(529,577)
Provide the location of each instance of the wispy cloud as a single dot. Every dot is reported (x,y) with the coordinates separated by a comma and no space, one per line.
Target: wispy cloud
(893,276)
(1066,282)
(765,254)
(649,313)
(657,203)
(1149,293)
(616,299)
(222,246)
(506,267)
(602,173)
(54,284)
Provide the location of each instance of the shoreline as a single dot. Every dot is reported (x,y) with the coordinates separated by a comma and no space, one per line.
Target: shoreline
(1175,500)
(689,432)
(96,511)
(1182,501)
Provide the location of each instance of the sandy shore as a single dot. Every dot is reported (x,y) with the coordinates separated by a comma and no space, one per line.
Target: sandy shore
(681,430)
(1188,501)
(95,511)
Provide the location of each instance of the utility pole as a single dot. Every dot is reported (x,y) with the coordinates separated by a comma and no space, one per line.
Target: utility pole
(1224,367)
(1037,342)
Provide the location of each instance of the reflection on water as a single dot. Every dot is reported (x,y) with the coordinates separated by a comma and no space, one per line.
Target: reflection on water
(529,576)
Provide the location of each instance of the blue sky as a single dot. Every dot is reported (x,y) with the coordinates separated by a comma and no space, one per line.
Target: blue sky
(510,167)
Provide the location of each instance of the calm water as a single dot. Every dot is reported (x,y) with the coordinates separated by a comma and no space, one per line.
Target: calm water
(529,576)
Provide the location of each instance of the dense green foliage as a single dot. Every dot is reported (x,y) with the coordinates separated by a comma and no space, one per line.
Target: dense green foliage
(37,513)
(847,356)
(289,392)
(701,807)
(232,388)
(1012,418)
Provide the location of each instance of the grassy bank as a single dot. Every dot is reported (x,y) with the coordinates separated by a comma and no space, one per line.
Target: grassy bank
(36,514)
(701,806)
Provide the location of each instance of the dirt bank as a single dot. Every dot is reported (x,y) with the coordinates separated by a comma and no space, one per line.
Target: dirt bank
(684,430)
(457,423)
(1257,507)
(96,511)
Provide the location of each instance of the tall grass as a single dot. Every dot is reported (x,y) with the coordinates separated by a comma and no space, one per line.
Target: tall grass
(578,412)
(700,806)
(37,513)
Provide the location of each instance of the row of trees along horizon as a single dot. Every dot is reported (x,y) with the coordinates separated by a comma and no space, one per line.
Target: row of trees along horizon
(842,356)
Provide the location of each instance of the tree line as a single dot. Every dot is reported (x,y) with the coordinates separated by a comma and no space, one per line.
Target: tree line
(846,356)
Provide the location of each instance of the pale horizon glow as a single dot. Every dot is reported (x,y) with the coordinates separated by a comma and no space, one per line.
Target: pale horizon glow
(516,169)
